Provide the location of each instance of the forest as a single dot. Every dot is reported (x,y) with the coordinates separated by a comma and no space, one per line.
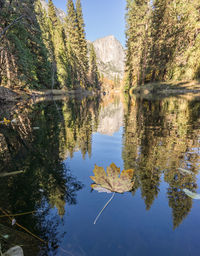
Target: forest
(163,38)
(39,51)
(61,155)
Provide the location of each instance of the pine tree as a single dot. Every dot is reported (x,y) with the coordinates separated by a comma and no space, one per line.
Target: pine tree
(82,39)
(78,44)
(71,27)
(137,18)
(59,57)
(24,59)
(162,40)
(94,74)
(52,13)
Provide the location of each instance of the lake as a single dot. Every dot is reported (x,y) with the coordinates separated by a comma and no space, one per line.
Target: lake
(51,149)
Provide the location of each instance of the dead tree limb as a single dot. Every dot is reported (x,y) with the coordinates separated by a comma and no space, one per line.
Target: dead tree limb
(10,25)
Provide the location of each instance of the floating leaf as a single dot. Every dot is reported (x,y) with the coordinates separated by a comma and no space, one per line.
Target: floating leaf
(100,189)
(184,171)
(191,194)
(112,181)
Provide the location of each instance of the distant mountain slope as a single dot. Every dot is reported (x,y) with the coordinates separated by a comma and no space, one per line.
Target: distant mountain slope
(110,56)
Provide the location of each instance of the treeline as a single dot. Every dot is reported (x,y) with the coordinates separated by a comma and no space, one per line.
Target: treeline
(163,38)
(39,50)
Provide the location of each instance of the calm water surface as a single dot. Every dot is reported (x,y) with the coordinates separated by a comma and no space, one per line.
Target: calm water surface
(57,144)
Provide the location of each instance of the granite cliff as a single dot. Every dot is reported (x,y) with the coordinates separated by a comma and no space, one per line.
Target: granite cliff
(110,57)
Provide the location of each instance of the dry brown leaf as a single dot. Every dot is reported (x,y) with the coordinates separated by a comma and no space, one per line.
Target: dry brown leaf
(112,181)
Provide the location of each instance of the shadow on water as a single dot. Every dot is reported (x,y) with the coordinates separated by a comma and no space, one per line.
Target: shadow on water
(157,138)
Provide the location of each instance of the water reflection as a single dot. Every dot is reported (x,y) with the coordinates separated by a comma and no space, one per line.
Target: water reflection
(46,182)
(158,137)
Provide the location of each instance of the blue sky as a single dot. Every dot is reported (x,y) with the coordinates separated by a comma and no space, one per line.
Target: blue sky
(102,18)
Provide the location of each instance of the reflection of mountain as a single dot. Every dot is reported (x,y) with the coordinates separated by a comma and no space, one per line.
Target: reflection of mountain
(110,118)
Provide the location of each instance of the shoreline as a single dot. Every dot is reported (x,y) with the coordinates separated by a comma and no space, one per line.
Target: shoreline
(8,95)
(167,89)
(148,91)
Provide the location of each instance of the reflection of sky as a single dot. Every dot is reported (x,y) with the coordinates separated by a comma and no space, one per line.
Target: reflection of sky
(125,227)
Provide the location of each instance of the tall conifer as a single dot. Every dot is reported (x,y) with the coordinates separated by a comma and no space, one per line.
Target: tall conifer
(59,57)
(52,13)
(137,19)
(82,39)
(94,74)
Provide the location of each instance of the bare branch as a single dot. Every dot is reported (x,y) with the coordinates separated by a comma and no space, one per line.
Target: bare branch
(11,24)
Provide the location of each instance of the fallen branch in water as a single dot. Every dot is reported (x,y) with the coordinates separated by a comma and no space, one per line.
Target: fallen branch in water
(25,229)
(4,174)
(17,214)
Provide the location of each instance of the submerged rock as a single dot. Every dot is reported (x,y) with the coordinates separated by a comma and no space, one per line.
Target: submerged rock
(14,251)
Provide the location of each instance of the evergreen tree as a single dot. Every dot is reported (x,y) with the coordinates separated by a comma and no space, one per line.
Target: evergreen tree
(52,13)
(94,74)
(60,63)
(137,18)
(166,33)
(162,40)
(82,39)
(71,26)
(24,57)
(38,50)
(78,44)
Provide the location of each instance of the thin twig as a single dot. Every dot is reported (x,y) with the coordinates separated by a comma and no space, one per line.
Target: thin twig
(17,214)
(23,227)
(104,207)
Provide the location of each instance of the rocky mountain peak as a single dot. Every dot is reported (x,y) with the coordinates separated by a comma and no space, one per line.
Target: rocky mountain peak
(110,56)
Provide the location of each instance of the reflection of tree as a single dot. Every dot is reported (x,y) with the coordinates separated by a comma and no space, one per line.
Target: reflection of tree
(80,118)
(157,137)
(180,203)
(46,182)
